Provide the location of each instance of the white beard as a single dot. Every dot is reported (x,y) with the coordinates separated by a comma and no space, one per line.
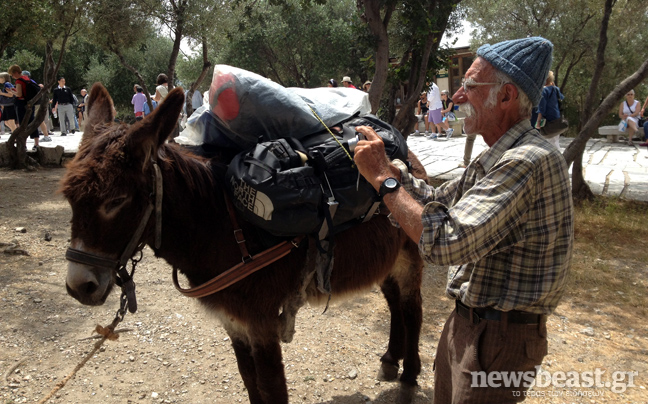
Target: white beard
(467,109)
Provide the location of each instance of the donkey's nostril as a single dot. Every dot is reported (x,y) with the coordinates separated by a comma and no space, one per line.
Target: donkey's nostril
(89,288)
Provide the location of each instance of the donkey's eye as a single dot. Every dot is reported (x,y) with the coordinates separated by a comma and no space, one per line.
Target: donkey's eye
(114,204)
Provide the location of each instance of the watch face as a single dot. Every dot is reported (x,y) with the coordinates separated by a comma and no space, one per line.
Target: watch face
(391,182)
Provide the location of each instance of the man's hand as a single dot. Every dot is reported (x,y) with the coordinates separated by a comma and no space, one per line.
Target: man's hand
(370,157)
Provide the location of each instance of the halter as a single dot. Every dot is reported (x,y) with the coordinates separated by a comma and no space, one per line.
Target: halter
(248,266)
(125,279)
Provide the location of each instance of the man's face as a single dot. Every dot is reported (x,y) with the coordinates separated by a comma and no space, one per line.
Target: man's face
(62,83)
(480,118)
(83,92)
(345,83)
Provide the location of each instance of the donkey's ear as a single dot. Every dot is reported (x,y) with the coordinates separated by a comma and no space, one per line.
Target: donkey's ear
(156,128)
(100,110)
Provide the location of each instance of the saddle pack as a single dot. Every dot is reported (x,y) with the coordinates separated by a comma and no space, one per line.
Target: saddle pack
(290,186)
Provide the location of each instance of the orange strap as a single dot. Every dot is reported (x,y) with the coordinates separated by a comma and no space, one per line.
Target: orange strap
(239,271)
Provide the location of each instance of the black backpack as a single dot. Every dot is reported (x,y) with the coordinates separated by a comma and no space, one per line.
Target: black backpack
(32,88)
(290,187)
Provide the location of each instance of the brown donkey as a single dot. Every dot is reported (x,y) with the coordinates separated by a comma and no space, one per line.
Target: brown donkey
(109,186)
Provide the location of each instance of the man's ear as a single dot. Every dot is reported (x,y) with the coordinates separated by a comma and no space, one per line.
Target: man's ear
(508,96)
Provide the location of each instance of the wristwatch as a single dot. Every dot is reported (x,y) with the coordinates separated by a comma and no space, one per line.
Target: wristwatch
(388,186)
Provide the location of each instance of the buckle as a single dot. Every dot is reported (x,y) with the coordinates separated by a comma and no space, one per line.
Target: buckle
(238,236)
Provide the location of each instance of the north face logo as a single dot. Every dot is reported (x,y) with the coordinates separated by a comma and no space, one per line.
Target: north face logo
(252,200)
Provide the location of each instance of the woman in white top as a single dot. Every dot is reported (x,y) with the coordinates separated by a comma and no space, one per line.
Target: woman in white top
(162,88)
(629,111)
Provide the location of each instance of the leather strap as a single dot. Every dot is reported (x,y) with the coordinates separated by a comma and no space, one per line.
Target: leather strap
(239,271)
(238,233)
(81,257)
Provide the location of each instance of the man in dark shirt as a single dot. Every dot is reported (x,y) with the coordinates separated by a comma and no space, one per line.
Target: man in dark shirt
(63,102)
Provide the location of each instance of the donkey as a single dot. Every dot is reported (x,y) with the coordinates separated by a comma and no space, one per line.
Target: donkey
(109,184)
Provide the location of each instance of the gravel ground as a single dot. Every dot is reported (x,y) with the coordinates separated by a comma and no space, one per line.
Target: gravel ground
(173,352)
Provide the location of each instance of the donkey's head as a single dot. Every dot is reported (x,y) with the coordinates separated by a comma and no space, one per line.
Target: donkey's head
(109,185)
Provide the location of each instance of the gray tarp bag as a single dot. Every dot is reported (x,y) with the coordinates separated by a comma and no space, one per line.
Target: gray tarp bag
(248,108)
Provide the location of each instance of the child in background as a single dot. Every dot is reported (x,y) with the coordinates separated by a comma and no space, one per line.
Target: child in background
(138,101)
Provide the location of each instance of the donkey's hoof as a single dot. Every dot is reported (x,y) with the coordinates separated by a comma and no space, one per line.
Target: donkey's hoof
(406,394)
(388,372)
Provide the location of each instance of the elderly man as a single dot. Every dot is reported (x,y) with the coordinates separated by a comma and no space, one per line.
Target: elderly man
(505,228)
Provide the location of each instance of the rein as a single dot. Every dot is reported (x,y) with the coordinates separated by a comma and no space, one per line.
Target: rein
(125,279)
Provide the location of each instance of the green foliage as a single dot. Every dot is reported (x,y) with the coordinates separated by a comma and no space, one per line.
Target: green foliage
(24,58)
(297,46)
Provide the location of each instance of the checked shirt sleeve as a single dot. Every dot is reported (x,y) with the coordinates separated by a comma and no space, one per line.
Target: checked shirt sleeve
(485,220)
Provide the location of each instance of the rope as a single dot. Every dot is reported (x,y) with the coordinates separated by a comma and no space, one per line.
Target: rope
(106,333)
(334,137)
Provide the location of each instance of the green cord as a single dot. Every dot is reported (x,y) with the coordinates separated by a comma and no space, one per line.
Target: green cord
(329,131)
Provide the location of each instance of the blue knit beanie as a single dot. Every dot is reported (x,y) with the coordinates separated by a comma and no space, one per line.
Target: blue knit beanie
(527,61)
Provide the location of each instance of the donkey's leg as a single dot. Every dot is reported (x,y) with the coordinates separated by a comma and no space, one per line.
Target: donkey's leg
(409,274)
(271,380)
(247,369)
(395,347)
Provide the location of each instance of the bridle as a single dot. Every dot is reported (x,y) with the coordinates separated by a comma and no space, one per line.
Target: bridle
(135,245)
(248,266)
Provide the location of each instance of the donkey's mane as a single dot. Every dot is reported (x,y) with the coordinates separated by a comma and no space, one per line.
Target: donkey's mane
(99,166)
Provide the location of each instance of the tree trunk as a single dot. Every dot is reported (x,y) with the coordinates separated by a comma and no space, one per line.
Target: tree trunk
(378,27)
(600,62)
(136,72)
(586,113)
(206,65)
(574,152)
(179,12)
(17,143)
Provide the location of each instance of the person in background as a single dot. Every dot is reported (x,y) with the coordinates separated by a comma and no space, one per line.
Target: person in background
(63,101)
(629,111)
(8,104)
(549,109)
(44,127)
(21,104)
(366,86)
(346,82)
(162,88)
(505,227)
(145,107)
(645,136)
(138,101)
(332,83)
(447,111)
(422,113)
(196,102)
(434,114)
(82,106)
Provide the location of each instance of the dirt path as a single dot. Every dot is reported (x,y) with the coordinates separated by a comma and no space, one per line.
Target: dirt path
(176,353)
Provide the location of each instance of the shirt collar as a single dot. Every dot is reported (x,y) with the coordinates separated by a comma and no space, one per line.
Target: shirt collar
(504,143)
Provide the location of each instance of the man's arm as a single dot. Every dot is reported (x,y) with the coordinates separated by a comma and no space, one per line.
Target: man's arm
(55,98)
(372,162)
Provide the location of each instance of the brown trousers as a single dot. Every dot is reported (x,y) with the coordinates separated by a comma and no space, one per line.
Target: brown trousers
(469,352)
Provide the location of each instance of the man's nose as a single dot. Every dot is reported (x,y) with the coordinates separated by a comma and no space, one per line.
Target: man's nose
(460,96)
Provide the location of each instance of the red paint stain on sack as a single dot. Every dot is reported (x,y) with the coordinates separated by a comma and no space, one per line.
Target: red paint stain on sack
(225,102)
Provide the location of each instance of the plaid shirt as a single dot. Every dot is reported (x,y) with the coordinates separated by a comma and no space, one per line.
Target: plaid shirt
(505,227)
